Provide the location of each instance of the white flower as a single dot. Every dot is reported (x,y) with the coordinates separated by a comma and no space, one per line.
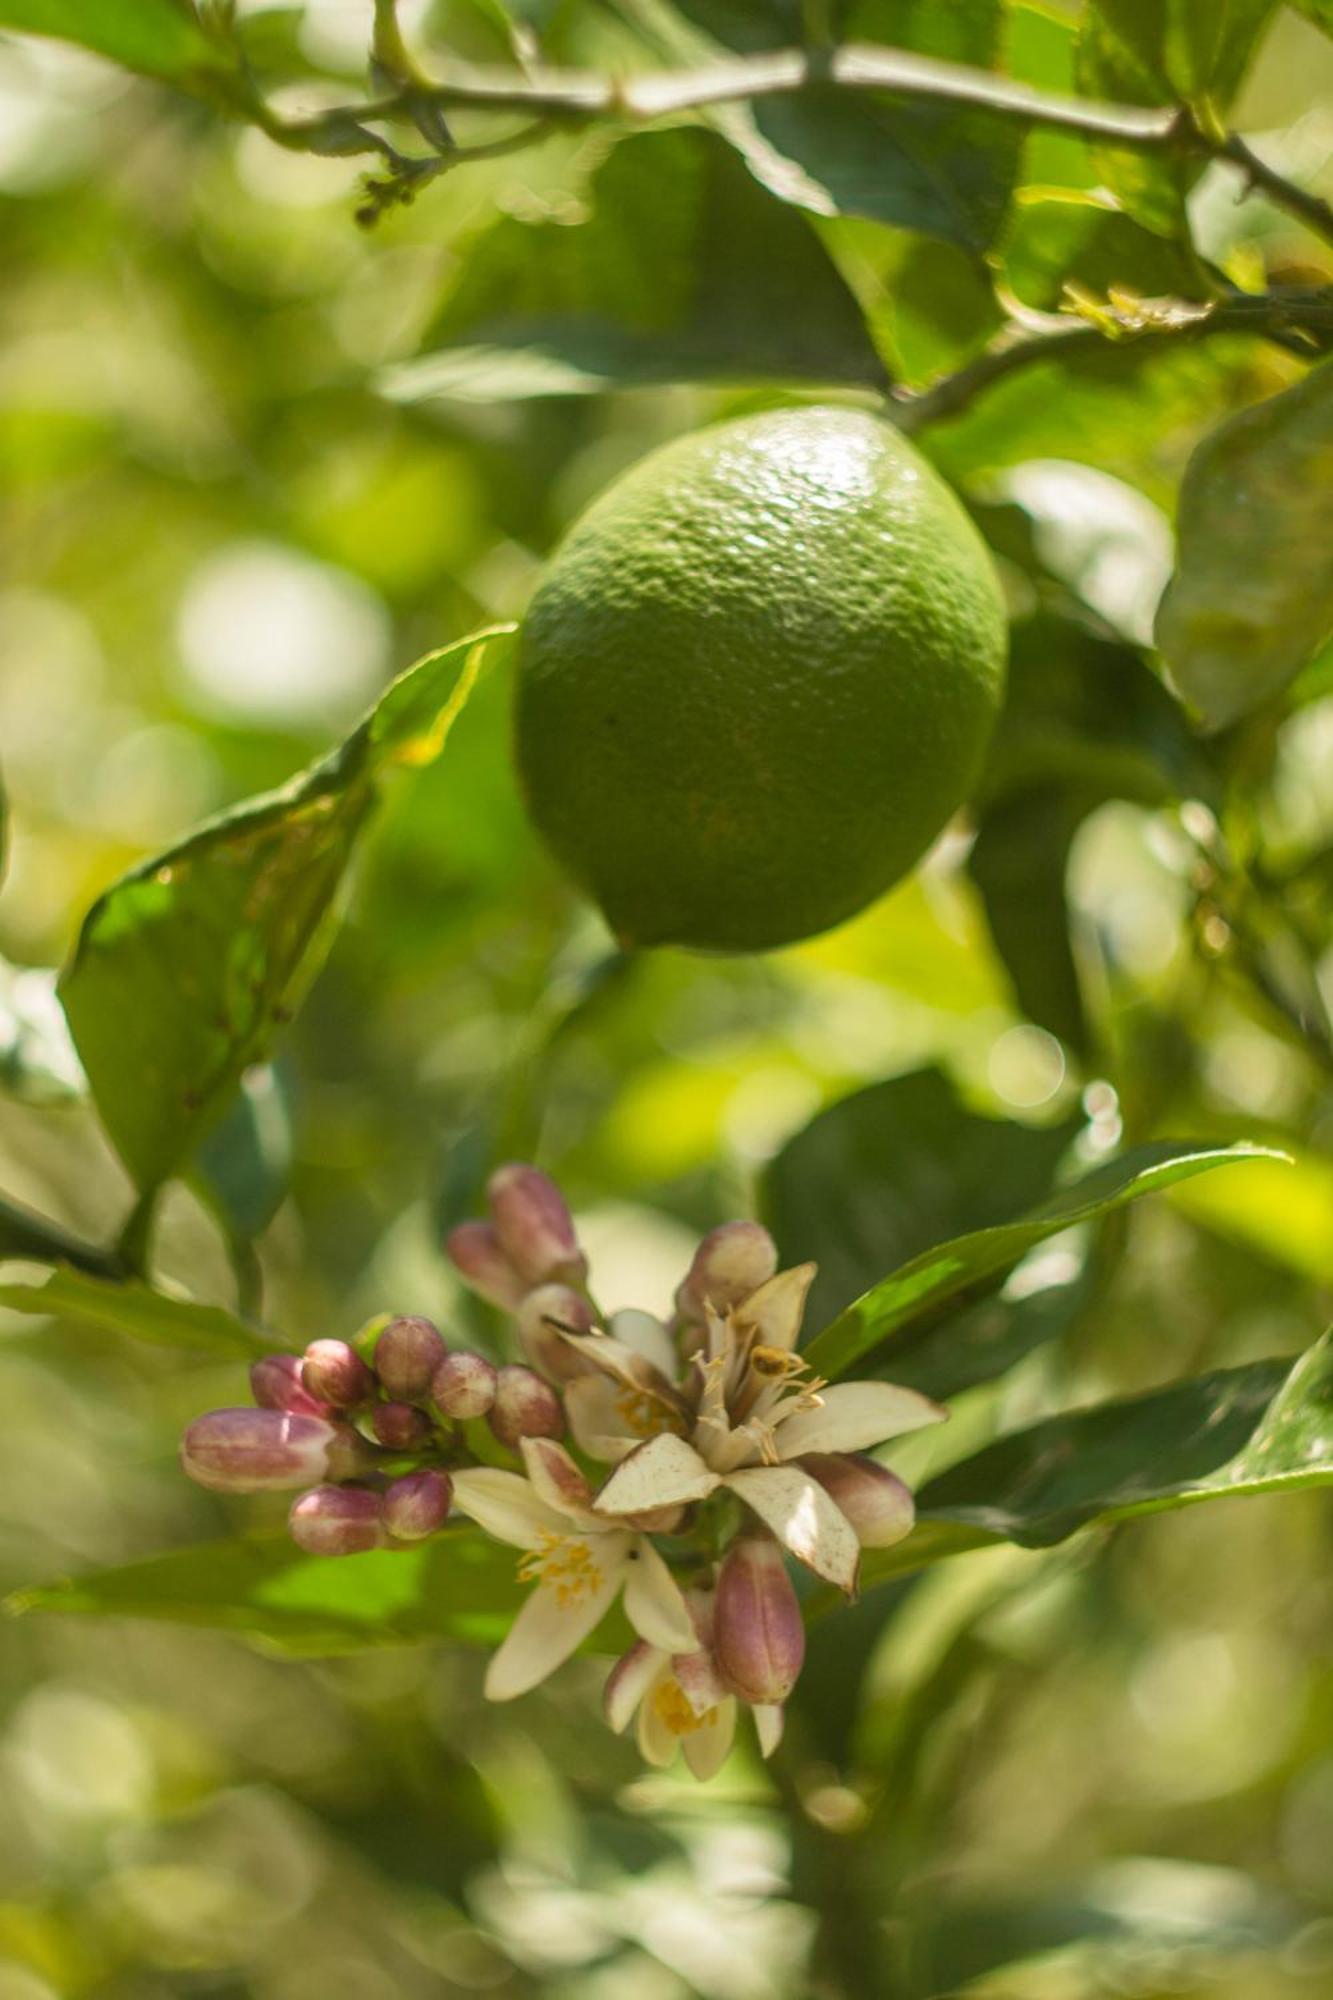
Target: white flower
(577,1560)
(747,1414)
(682,1702)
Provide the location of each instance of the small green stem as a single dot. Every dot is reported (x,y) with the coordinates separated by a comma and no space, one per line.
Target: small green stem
(24,1233)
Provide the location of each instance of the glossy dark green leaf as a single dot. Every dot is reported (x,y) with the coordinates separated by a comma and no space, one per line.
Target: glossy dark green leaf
(1164,52)
(185,970)
(1251,601)
(459,1586)
(127,1307)
(949,1271)
(159,37)
(683,269)
(881,1175)
(1018,862)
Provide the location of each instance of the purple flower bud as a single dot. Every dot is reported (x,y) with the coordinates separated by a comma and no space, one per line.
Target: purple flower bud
(540,1318)
(350,1456)
(335,1373)
(534,1225)
(464,1385)
(407,1354)
(417,1504)
(524,1406)
(337,1521)
(400,1426)
(275,1384)
(474,1251)
(872,1498)
(731,1262)
(758,1634)
(254,1451)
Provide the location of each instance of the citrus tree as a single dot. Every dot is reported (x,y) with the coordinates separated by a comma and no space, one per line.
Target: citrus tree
(855,482)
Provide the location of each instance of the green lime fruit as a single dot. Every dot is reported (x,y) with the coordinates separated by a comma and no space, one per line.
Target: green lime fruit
(757,679)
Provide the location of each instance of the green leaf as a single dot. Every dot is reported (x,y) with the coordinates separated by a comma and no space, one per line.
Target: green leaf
(243,1165)
(923,1287)
(1318,11)
(684,269)
(36,1239)
(114,1306)
(1164,52)
(459,1586)
(1082,236)
(1251,601)
(158,37)
(1018,862)
(186,968)
(882,1175)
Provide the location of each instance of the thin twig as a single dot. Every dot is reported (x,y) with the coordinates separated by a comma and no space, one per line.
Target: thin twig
(1311,209)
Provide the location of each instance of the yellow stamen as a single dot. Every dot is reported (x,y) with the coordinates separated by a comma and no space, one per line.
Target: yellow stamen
(673,1711)
(566,1564)
(643,1415)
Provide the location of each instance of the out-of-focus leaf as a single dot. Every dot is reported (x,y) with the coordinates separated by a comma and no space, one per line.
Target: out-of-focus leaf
(881,1175)
(1163,52)
(186,968)
(683,269)
(1252,597)
(159,37)
(113,1306)
(460,1586)
(1018,862)
(38,1064)
(929,1282)
(244,1163)
(1318,11)
(1082,236)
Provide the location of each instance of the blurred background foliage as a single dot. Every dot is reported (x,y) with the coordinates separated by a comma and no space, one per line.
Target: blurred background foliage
(256,460)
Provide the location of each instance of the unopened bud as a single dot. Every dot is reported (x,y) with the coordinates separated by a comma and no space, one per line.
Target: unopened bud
(534,1225)
(540,1318)
(464,1385)
(399,1426)
(335,1373)
(417,1504)
(337,1521)
(276,1384)
(407,1354)
(757,1633)
(474,1251)
(875,1501)
(524,1406)
(731,1262)
(255,1451)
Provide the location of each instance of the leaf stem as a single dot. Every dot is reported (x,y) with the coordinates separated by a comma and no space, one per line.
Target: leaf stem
(24,1233)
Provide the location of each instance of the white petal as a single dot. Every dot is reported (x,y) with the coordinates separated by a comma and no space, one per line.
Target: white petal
(653,1602)
(707,1747)
(768,1720)
(854,1415)
(647,1336)
(505,1505)
(658,1741)
(803,1518)
(556,1480)
(625,1364)
(628,1682)
(607,1419)
(551,1626)
(774,1311)
(658,1473)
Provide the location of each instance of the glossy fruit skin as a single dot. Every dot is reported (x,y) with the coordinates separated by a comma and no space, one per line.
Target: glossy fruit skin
(758,678)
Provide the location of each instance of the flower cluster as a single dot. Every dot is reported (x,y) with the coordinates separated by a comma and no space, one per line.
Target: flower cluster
(704,1453)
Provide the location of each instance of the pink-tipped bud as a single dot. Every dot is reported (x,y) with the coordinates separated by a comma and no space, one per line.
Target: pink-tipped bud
(337,1521)
(400,1426)
(407,1354)
(335,1373)
(276,1384)
(464,1385)
(872,1498)
(256,1451)
(417,1504)
(524,1407)
(535,1227)
(541,1316)
(757,1632)
(731,1262)
(474,1251)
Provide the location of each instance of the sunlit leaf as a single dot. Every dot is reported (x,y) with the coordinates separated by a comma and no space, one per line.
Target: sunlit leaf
(160,37)
(185,970)
(459,1586)
(683,269)
(115,1306)
(913,1296)
(1251,601)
